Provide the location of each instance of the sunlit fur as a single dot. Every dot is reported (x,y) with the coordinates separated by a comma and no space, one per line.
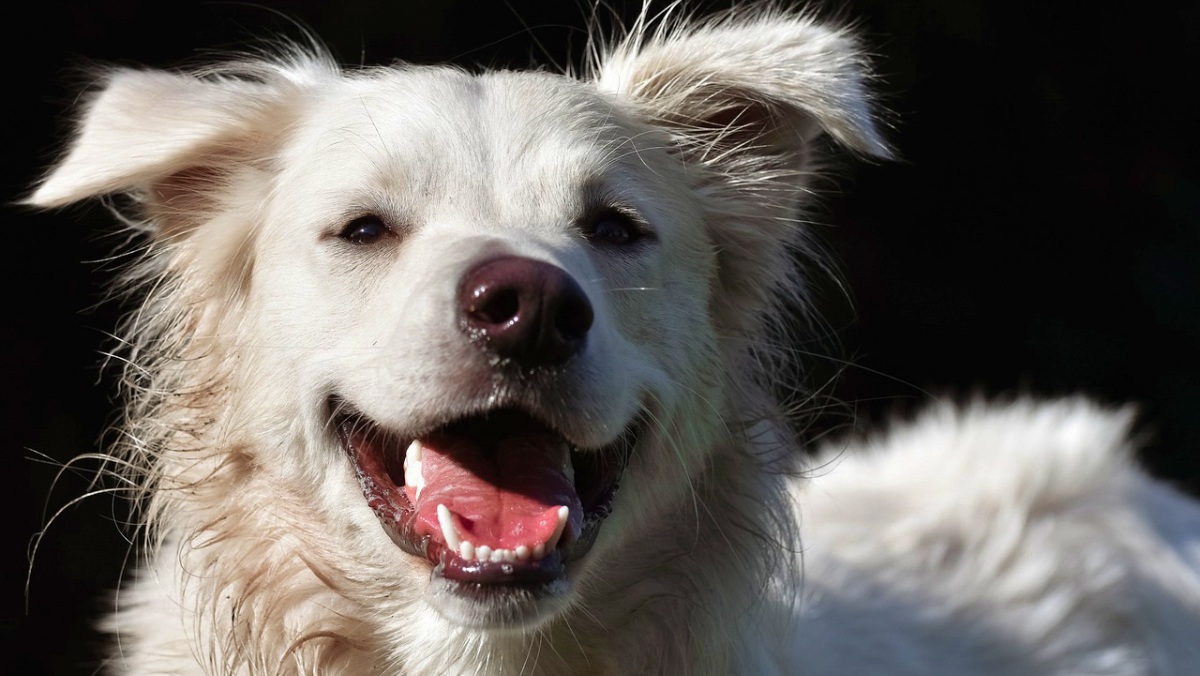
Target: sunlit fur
(1003,539)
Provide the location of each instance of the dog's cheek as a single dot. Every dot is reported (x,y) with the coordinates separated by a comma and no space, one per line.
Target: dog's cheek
(663,299)
(756,266)
(277,339)
(669,323)
(300,320)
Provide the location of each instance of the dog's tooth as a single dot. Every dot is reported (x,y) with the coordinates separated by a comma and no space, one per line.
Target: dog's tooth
(497,555)
(510,555)
(522,553)
(412,476)
(483,553)
(466,550)
(568,467)
(412,467)
(449,531)
(563,513)
(539,551)
(414,451)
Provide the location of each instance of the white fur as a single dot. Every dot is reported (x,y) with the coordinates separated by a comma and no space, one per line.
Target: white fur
(990,539)
(1022,535)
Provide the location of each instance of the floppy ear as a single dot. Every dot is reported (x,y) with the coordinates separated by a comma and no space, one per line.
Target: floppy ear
(745,96)
(783,76)
(141,127)
(189,149)
(167,138)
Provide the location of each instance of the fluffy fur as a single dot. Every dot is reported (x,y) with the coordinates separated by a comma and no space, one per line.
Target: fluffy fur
(1000,539)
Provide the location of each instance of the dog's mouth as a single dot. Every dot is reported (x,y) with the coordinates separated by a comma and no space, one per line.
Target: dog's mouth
(495,501)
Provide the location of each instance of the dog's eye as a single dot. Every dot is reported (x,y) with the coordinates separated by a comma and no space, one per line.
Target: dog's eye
(364,230)
(614,228)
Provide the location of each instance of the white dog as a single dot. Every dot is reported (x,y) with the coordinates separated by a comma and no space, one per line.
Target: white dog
(440,372)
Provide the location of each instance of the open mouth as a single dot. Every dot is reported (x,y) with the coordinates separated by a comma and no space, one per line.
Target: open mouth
(494,501)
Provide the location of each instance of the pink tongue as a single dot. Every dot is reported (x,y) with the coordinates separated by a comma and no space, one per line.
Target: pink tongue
(503,498)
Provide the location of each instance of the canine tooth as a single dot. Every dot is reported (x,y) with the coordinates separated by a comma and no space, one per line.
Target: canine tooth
(412,477)
(522,553)
(497,555)
(568,466)
(449,532)
(563,513)
(539,551)
(483,553)
(412,467)
(466,550)
(414,451)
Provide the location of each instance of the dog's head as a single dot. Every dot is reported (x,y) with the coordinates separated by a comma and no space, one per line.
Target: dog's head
(467,307)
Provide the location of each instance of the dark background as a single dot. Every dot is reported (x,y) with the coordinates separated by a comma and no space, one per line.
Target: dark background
(1040,234)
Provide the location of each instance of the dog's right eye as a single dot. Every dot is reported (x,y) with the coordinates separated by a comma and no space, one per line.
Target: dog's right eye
(613,228)
(364,230)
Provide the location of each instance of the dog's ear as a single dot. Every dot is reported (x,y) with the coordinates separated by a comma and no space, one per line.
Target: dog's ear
(162,136)
(780,80)
(746,96)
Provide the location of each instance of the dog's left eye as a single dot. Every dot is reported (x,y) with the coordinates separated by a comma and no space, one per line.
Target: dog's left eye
(364,230)
(614,228)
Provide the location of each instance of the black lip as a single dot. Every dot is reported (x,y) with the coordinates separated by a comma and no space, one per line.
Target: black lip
(597,476)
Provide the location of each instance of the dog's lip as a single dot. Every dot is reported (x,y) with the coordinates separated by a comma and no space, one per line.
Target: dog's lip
(598,471)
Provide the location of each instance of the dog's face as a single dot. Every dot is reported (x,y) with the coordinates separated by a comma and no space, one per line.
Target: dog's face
(479,334)
(496,287)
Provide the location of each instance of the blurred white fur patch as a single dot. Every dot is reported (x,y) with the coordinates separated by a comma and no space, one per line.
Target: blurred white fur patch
(1022,531)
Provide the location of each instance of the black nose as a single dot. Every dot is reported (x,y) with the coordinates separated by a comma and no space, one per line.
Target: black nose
(525,310)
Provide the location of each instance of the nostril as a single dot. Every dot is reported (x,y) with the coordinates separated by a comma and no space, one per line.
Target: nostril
(495,305)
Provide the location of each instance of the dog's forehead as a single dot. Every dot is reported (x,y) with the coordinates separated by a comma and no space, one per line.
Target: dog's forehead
(507,146)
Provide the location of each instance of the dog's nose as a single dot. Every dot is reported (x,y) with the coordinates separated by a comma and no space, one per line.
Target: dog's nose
(525,310)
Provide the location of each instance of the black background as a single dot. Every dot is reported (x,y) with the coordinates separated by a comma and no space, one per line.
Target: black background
(1040,233)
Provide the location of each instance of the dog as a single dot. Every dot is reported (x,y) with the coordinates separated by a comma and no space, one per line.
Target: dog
(449,372)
